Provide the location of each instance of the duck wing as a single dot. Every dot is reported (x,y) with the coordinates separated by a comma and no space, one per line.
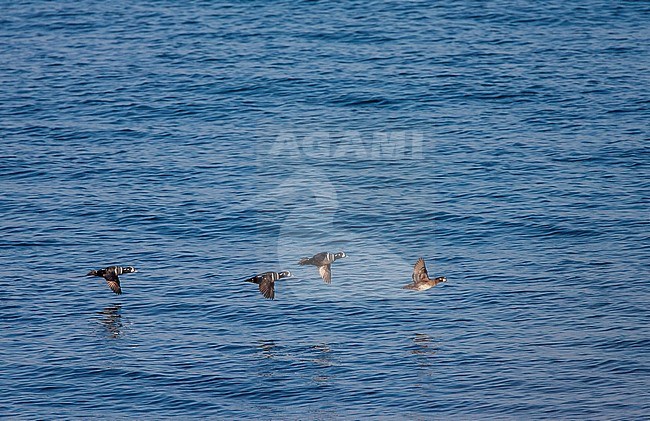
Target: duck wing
(113,281)
(420,271)
(267,287)
(326,273)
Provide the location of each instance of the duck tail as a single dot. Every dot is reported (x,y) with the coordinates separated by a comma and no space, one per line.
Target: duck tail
(304,261)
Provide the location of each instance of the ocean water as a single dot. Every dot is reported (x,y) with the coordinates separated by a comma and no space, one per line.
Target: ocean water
(506,142)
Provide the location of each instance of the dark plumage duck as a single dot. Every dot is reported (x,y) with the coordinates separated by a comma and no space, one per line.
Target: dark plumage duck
(111,275)
(421,280)
(324,262)
(266,282)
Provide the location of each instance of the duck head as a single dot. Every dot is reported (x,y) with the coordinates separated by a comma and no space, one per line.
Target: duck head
(285,274)
(340,255)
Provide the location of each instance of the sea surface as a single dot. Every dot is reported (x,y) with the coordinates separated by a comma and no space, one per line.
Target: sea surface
(506,142)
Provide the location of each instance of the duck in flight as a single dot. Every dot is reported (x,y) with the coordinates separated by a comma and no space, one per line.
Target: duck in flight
(111,275)
(324,262)
(421,280)
(266,282)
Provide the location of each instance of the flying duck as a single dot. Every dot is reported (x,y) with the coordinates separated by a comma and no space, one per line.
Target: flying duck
(266,281)
(111,275)
(421,280)
(324,262)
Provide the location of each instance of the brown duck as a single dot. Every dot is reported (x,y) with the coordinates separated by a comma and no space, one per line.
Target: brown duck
(421,280)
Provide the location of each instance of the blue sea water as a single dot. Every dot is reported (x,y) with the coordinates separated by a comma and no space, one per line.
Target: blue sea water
(504,141)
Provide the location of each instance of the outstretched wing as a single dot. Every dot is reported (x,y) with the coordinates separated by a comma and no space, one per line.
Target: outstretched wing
(113,281)
(420,271)
(326,273)
(267,287)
